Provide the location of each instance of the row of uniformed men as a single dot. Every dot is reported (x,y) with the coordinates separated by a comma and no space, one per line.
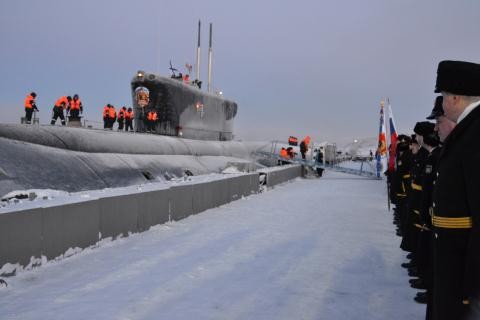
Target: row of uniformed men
(436,190)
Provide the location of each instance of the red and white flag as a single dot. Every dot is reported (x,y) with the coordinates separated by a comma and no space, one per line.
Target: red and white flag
(393,140)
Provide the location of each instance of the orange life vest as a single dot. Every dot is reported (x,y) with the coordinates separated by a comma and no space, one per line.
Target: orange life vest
(283,153)
(152,116)
(105,111)
(112,114)
(62,102)
(129,115)
(29,101)
(75,104)
(307,140)
(121,114)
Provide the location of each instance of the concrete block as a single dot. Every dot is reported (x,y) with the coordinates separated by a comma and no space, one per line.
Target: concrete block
(181,202)
(235,188)
(255,182)
(119,215)
(203,197)
(20,237)
(223,192)
(69,226)
(250,184)
(283,175)
(153,209)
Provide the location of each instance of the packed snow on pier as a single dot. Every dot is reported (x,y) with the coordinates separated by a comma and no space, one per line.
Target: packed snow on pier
(309,249)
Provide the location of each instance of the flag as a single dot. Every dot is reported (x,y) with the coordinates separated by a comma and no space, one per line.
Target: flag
(189,67)
(381,152)
(392,152)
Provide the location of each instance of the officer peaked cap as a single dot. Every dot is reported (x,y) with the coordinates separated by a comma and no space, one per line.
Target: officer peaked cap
(437,110)
(423,128)
(458,77)
(431,139)
(403,138)
(414,139)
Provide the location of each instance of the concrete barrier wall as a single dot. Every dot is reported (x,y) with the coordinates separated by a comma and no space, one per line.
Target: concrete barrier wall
(69,226)
(20,236)
(155,209)
(27,236)
(282,175)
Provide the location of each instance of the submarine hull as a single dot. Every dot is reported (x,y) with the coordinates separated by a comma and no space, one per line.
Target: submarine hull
(78,159)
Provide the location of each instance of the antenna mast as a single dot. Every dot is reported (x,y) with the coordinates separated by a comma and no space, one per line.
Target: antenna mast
(209,89)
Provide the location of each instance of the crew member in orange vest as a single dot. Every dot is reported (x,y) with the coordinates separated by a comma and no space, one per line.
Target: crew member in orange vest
(76,107)
(121,118)
(105,116)
(151,120)
(283,155)
(304,146)
(129,119)
(30,106)
(291,153)
(112,116)
(61,104)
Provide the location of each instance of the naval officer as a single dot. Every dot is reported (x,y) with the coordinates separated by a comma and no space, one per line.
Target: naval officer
(456,199)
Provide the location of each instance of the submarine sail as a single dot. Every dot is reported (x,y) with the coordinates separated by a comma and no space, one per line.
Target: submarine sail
(182,108)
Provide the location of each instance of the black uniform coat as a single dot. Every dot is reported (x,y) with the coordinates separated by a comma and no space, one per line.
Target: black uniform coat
(456,195)
(425,240)
(414,200)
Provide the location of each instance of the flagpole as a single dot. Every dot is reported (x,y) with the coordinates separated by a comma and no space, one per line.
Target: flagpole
(381,150)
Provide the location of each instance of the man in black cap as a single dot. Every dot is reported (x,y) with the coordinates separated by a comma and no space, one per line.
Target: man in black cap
(456,197)
(443,125)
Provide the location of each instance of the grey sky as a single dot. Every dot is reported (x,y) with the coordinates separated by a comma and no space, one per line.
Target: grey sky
(293,67)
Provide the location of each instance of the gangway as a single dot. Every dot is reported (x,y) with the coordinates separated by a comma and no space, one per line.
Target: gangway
(313,164)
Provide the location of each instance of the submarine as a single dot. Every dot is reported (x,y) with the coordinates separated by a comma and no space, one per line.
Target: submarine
(183,109)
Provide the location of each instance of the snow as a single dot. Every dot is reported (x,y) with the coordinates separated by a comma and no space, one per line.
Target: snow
(230,169)
(310,249)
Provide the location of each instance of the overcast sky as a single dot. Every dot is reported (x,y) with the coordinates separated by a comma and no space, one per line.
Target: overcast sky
(294,67)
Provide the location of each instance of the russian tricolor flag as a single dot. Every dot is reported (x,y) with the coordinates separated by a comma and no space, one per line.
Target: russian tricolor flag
(393,140)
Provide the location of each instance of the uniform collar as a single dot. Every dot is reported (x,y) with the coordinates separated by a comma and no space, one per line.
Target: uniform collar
(467,111)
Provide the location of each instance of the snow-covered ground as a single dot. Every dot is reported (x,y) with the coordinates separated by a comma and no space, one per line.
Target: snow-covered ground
(310,249)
